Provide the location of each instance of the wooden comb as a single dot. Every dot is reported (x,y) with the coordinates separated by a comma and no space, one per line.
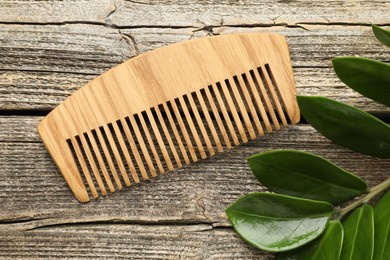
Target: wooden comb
(168,107)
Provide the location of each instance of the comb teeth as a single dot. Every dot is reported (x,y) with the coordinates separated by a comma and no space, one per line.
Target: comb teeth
(174,133)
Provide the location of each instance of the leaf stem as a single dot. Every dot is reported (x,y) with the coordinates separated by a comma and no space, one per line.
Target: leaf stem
(371,194)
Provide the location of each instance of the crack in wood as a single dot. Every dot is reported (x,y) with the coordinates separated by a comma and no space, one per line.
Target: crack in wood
(31,223)
(28,113)
(205,27)
(113,26)
(129,39)
(203,211)
(49,71)
(111,12)
(341,24)
(138,2)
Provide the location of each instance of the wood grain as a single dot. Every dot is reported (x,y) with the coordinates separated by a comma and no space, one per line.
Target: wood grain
(49,49)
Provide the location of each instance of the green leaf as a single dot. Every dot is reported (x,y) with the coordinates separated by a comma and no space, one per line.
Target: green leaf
(368,77)
(382,227)
(359,234)
(305,175)
(382,35)
(326,247)
(347,126)
(276,222)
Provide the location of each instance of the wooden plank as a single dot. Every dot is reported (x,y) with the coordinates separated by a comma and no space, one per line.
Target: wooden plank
(55,11)
(237,13)
(146,13)
(91,49)
(33,194)
(40,73)
(79,49)
(102,241)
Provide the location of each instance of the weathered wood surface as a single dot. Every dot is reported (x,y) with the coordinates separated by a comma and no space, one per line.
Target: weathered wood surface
(199,241)
(190,13)
(37,203)
(48,49)
(37,74)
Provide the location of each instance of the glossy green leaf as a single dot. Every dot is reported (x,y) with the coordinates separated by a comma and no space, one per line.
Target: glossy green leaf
(326,247)
(382,35)
(358,234)
(347,126)
(368,77)
(382,227)
(276,222)
(305,175)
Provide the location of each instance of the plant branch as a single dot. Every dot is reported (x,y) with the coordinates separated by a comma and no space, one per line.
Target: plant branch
(374,191)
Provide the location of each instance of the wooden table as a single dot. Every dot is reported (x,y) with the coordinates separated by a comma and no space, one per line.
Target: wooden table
(49,49)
